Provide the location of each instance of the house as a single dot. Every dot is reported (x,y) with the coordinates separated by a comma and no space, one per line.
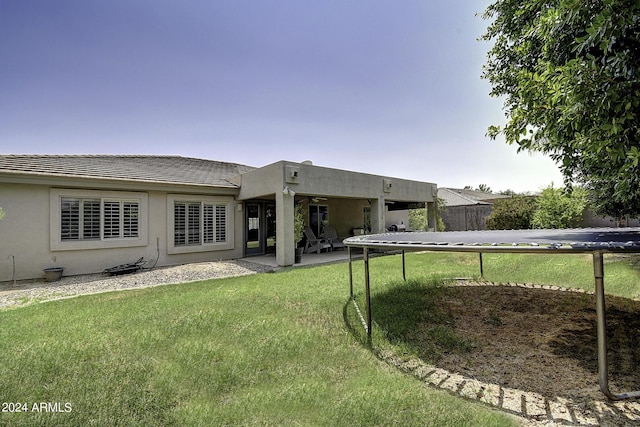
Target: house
(466,209)
(90,212)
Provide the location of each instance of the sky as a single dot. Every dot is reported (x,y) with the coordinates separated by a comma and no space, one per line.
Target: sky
(385,87)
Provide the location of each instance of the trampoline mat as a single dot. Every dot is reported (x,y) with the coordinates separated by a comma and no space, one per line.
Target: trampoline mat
(612,239)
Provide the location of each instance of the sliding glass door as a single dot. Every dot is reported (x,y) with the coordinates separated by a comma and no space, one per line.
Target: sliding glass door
(260,228)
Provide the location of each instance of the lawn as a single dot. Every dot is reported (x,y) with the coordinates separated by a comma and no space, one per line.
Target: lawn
(266,349)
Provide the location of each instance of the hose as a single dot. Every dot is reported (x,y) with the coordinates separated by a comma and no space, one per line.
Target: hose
(157,253)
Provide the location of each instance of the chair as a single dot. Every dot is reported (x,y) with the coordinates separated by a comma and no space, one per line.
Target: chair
(313,243)
(332,236)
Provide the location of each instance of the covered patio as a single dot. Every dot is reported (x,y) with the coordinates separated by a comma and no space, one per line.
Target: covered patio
(307,259)
(353,203)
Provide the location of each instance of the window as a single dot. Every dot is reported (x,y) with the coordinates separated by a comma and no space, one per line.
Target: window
(208,225)
(198,223)
(318,217)
(80,219)
(130,221)
(221,224)
(111,220)
(91,219)
(96,219)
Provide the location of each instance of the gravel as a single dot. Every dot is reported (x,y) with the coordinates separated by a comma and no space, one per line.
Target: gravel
(24,293)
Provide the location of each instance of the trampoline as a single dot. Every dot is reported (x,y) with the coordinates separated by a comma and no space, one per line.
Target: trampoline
(594,241)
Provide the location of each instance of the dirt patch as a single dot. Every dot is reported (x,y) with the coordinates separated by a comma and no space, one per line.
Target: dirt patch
(540,340)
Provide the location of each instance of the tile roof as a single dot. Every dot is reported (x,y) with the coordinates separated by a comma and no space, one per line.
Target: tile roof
(157,169)
(463,197)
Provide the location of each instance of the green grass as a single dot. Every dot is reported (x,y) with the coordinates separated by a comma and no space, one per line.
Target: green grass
(401,307)
(622,272)
(270,349)
(411,319)
(622,275)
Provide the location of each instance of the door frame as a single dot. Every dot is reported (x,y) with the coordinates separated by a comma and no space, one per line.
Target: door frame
(266,226)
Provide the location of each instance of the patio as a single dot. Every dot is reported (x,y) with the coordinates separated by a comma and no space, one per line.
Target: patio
(307,259)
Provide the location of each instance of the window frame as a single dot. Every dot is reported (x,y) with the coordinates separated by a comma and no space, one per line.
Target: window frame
(208,229)
(57,238)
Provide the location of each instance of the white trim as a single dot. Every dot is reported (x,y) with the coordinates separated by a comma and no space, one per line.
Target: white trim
(56,242)
(203,247)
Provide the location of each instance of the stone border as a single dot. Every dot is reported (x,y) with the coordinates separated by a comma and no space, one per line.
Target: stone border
(533,408)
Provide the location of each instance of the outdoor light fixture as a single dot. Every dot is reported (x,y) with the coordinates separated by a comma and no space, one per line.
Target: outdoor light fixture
(286,190)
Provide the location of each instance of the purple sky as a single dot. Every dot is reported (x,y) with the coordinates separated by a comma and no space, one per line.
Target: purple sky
(385,87)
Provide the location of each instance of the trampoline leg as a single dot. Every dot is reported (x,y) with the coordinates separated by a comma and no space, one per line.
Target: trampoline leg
(603,365)
(367,291)
(481,266)
(404,270)
(350,273)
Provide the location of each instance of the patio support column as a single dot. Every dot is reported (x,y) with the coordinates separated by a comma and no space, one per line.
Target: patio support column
(285,244)
(377,215)
(432,223)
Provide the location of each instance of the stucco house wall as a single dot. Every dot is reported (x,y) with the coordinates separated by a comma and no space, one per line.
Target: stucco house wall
(24,231)
(28,233)
(590,219)
(346,215)
(50,199)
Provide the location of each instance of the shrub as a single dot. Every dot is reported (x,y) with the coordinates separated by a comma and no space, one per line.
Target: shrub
(559,208)
(511,214)
(418,217)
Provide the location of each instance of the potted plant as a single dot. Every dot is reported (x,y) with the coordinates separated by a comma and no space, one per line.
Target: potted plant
(298,227)
(53,274)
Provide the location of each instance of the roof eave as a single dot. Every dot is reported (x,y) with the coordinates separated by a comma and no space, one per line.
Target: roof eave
(74,180)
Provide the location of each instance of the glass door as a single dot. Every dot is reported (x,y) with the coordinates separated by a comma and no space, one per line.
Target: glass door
(270,225)
(318,217)
(253,238)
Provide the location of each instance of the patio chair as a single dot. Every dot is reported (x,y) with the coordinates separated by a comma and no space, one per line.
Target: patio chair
(313,243)
(332,236)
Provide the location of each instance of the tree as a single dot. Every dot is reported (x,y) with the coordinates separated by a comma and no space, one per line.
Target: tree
(569,74)
(298,224)
(1,213)
(482,187)
(559,208)
(511,214)
(418,217)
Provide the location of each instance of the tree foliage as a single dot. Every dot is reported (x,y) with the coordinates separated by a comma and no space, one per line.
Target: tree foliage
(559,208)
(511,214)
(569,74)
(298,223)
(418,217)
(482,187)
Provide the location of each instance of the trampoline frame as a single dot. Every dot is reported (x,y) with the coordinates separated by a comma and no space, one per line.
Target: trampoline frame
(593,241)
